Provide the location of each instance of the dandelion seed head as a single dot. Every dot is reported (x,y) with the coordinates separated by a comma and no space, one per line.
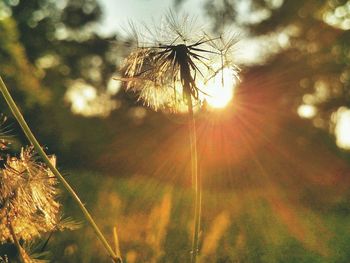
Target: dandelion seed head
(28,197)
(174,60)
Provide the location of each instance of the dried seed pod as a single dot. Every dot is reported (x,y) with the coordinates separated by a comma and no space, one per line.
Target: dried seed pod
(176,60)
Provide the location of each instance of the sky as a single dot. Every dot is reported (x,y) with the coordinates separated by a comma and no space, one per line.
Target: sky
(117,13)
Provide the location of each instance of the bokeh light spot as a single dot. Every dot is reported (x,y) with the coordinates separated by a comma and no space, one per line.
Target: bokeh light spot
(307,111)
(342,128)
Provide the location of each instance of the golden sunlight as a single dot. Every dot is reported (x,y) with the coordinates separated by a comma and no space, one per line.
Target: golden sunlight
(80,94)
(85,100)
(220,89)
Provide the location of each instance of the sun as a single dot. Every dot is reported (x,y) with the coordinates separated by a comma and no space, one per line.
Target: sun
(220,89)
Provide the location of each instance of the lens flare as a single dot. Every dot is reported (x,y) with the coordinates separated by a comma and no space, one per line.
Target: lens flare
(220,89)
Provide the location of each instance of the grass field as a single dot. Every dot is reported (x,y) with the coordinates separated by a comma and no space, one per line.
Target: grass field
(243,225)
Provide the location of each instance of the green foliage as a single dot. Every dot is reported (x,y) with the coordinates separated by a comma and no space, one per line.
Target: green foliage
(15,67)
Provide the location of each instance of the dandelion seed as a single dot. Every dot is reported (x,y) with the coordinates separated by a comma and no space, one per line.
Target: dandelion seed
(174,61)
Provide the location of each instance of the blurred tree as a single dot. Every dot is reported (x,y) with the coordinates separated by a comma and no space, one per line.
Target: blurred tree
(48,48)
(14,60)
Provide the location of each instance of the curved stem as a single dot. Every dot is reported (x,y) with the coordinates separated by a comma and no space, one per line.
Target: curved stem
(196,180)
(10,102)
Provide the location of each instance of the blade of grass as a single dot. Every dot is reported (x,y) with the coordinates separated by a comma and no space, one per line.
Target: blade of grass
(116,244)
(15,111)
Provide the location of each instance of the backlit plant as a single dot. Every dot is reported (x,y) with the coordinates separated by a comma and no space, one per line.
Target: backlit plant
(29,201)
(170,69)
(25,161)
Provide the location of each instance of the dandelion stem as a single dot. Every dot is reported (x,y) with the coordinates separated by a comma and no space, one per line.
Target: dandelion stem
(15,111)
(196,180)
(15,240)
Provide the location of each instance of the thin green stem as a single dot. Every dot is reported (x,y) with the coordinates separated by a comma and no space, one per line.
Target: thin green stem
(196,181)
(40,151)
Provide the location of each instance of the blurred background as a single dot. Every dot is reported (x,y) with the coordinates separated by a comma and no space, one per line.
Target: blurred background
(275,158)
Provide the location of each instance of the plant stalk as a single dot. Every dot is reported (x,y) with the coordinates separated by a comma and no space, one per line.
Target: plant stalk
(196,180)
(15,240)
(116,244)
(15,111)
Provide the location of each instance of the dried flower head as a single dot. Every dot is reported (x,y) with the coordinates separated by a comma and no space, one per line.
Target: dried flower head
(4,259)
(174,62)
(28,198)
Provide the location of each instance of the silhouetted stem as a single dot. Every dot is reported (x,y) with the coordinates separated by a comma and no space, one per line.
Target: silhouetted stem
(196,180)
(40,151)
